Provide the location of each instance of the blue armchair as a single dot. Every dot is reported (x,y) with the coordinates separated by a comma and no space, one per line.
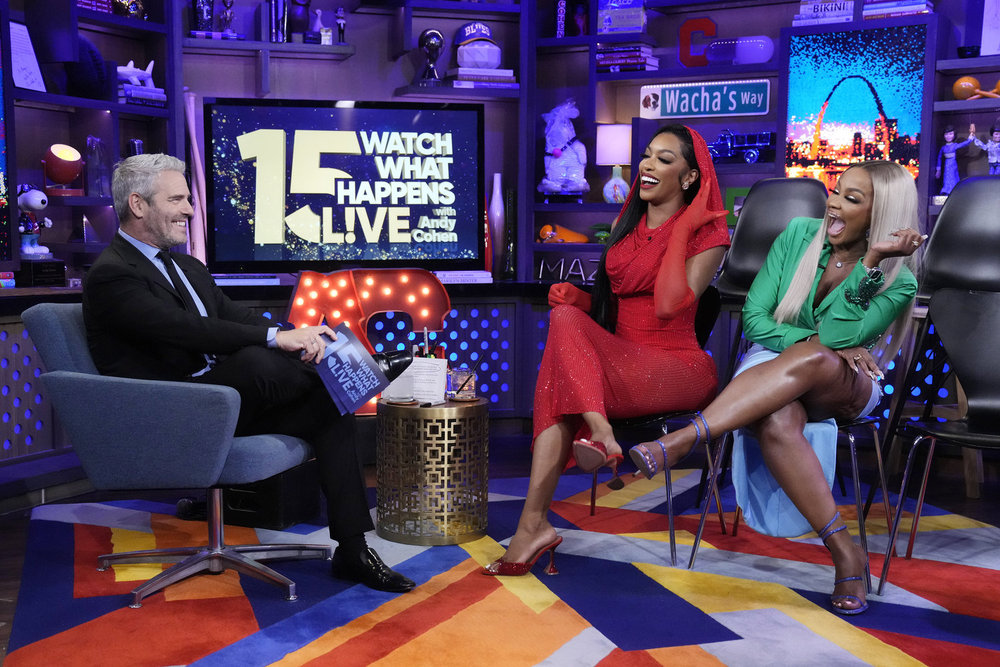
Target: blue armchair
(148,434)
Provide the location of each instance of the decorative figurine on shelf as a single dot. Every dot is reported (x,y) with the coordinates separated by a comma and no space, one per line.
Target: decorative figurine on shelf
(580,18)
(341,25)
(967,88)
(947,165)
(136,76)
(431,42)
(992,148)
(560,234)
(130,8)
(31,201)
(565,155)
(476,47)
(226,17)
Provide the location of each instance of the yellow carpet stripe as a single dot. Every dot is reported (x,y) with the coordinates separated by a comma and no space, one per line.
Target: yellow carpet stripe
(714,594)
(133,540)
(532,593)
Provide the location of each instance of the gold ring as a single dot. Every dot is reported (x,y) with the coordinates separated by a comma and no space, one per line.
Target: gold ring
(857,357)
(916,243)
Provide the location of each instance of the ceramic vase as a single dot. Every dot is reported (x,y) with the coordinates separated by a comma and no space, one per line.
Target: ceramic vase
(496,215)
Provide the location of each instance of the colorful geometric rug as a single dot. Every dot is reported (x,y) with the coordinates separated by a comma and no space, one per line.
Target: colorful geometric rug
(750,599)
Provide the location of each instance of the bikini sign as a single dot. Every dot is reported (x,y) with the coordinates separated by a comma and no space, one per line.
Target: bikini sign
(709,98)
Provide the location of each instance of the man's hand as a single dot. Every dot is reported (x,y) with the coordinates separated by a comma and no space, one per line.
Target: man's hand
(307,339)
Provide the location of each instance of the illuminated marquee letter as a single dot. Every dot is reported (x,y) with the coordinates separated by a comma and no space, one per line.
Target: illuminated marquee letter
(354,296)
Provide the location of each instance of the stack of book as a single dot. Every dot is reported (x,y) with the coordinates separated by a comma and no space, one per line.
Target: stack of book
(96,5)
(818,12)
(884,9)
(626,57)
(129,93)
(481,77)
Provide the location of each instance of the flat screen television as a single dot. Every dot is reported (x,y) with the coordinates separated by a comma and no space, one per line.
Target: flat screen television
(324,186)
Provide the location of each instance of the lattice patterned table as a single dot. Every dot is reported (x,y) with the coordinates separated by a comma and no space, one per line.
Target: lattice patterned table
(432,472)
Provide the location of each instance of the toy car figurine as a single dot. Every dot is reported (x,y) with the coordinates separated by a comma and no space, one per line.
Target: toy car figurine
(749,148)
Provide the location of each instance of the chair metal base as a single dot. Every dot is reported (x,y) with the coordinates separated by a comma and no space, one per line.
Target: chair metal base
(216,557)
(862,509)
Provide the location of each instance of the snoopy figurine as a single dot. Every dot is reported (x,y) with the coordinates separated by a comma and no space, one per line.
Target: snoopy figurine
(31,201)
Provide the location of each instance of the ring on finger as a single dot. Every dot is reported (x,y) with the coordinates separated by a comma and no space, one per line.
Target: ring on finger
(916,243)
(857,357)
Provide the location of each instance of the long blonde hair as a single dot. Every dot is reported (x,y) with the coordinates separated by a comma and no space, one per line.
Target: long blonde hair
(894,206)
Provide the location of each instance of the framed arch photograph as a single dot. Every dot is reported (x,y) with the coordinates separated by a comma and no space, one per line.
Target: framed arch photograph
(859,93)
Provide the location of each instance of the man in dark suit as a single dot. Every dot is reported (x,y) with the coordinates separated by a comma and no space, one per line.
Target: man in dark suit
(142,324)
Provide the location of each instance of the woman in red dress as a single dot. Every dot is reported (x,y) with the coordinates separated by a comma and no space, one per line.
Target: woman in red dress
(629,348)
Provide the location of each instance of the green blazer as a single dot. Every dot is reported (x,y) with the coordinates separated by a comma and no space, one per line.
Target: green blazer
(839,322)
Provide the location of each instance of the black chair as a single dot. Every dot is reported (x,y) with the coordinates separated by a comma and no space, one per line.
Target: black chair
(768,208)
(960,255)
(967,322)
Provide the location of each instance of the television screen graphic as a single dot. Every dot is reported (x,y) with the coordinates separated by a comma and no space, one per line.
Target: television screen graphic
(316,185)
(854,95)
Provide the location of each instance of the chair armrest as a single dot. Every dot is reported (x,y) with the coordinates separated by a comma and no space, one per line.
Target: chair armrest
(145,434)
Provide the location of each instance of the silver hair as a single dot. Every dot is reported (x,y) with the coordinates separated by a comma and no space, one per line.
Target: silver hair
(138,174)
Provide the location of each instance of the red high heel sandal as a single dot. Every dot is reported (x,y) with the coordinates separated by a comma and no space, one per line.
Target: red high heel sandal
(503,568)
(591,455)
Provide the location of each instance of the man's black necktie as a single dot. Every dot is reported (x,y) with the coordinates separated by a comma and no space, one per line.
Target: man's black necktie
(179,286)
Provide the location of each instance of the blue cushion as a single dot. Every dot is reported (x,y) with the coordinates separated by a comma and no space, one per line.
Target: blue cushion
(257,457)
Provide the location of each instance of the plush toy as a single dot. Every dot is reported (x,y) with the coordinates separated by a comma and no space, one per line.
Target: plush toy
(565,155)
(31,201)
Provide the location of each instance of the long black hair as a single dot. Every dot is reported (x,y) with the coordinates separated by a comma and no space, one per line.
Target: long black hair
(602,307)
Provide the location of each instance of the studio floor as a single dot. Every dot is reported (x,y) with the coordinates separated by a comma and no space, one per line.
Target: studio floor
(509,457)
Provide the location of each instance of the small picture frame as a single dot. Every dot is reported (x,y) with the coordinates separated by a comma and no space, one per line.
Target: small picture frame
(734,202)
(25,71)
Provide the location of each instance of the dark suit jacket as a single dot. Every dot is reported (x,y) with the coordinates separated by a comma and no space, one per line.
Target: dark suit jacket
(137,326)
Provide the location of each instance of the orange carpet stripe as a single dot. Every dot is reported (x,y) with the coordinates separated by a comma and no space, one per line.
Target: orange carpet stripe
(157,634)
(620,658)
(690,656)
(495,630)
(384,613)
(388,635)
(938,653)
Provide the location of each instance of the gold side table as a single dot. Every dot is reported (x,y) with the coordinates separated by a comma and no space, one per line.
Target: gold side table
(432,472)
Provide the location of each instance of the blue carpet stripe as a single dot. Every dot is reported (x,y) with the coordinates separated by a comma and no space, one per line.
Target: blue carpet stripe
(272,643)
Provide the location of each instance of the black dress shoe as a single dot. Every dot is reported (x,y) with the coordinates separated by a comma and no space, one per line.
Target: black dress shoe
(368,569)
(392,364)
(191,509)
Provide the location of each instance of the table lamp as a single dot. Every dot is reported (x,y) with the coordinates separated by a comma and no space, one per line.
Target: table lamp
(61,166)
(614,147)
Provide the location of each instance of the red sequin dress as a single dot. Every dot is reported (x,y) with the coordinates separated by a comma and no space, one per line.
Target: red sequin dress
(649,365)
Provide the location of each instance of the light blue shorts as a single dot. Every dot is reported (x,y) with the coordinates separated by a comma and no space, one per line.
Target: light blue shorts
(766,507)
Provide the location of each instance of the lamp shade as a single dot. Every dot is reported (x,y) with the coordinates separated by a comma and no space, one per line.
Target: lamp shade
(614,144)
(60,168)
(62,163)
